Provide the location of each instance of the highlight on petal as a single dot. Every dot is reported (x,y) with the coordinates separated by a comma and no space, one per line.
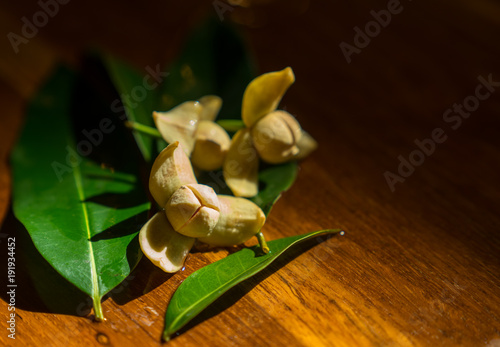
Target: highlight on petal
(179,124)
(171,170)
(275,137)
(306,145)
(241,165)
(264,93)
(166,248)
(211,146)
(240,219)
(211,107)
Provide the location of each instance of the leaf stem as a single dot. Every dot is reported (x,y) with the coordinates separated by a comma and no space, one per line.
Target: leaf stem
(166,336)
(231,125)
(99,316)
(262,243)
(153,132)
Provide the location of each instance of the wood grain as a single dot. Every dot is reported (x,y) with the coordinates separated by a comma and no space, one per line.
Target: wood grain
(417,266)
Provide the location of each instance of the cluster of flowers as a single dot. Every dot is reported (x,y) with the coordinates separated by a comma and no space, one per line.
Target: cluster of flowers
(194,211)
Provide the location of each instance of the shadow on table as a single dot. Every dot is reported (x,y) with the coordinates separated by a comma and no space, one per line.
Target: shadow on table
(236,293)
(40,288)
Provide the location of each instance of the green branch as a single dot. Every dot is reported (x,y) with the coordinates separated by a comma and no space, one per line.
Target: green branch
(143,129)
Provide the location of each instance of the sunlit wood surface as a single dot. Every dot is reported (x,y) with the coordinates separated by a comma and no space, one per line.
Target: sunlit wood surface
(417,266)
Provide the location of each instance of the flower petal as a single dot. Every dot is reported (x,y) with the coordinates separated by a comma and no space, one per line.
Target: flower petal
(306,145)
(179,124)
(211,145)
(241,165)
(240,219)
(193,210)
(171,170)
(166,248)
(264,93)
(211,107)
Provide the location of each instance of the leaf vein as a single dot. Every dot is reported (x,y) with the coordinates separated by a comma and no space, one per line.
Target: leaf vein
(93,271)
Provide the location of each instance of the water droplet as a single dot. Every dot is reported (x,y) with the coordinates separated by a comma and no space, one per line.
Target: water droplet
(342,233)
(102,338)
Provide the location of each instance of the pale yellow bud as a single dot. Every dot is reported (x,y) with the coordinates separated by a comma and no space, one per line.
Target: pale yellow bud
(170,171)
(193,210)
(211,107)
(264,93)
(161,244)
(239,220)
(241,165)
(211,145)
(275,137)
(179,124)
(306,145)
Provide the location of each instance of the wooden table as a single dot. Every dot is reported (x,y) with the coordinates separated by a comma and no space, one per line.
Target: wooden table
(418,265)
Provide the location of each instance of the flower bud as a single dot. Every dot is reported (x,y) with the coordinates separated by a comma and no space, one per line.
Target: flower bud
(307,144)
(264,93)
(239,220)
(179,124)
(211,145)
(160,243)
(275,137)
(170,171)
(211,107)
(193,210)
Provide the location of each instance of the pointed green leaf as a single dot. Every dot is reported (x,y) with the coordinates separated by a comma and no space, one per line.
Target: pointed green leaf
(231,125)
(54,291)
(208,283)
(274,181)
(83,209)
(214,60)
(139,95)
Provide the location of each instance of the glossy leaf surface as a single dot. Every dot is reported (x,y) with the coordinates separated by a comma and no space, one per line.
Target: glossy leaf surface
(274,180)
(139,95)
(73,190)
(206,285)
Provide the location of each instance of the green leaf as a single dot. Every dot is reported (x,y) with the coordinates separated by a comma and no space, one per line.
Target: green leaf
(231,125)
(138,101)
(214,60)
(82,209)
(274,180)
(54,291)
(207,284)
